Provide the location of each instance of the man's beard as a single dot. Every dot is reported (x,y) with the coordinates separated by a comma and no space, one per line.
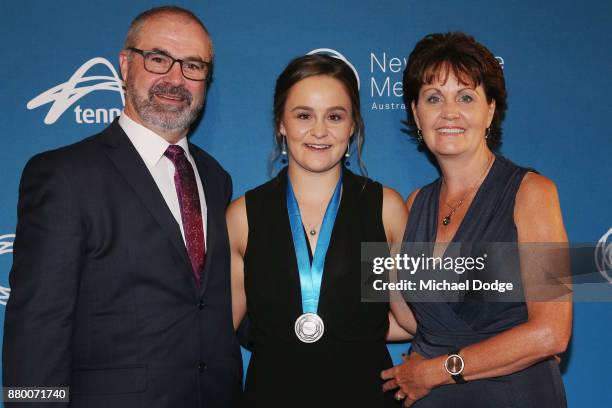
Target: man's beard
(167,117)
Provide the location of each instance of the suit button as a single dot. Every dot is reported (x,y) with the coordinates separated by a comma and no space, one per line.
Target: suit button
(201,305)
(201,367)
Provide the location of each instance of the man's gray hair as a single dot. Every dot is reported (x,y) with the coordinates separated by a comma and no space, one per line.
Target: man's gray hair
(138,22)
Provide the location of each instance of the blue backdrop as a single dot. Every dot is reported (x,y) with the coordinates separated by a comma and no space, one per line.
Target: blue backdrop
(59,84)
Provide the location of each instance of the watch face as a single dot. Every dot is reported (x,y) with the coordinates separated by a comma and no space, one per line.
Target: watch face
(454,364)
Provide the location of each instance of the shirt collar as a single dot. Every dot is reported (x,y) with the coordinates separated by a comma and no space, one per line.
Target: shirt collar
(149,145)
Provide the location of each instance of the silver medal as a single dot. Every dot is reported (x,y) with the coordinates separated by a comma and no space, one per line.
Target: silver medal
(309,327)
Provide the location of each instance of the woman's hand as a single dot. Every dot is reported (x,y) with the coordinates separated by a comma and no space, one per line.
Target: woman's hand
(415,378)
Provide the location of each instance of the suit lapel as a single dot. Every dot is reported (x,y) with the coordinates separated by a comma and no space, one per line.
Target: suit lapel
(129,163)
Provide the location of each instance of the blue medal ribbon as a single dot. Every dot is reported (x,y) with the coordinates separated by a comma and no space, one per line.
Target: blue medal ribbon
(311,275)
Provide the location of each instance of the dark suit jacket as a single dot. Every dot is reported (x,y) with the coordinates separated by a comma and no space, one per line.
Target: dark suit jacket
(103,298)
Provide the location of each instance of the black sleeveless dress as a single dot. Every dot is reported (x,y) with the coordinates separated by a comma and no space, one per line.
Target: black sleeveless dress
(343,367)
(446,327)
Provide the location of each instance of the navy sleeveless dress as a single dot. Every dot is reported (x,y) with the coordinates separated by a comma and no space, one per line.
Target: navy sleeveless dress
(343,368)
(444,327)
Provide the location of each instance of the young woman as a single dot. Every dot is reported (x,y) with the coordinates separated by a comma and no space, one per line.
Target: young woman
(295,245)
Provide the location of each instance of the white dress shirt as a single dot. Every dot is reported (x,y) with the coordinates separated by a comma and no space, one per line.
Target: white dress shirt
(151,148)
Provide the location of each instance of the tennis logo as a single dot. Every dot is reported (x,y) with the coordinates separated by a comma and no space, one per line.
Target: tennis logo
(6,247)
(603,255)
(333,53)
(63,96)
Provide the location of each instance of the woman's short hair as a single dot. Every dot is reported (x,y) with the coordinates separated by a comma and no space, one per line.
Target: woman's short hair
(314,65)
(437,55)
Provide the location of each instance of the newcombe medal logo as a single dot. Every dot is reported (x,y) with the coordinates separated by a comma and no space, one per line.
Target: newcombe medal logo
(603,255)
(336,54)
(6,247)
(63,96)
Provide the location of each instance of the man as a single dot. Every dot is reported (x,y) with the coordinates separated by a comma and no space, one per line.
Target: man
(120,283)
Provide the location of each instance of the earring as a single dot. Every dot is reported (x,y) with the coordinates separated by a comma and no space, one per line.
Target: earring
(420,135)
(347,155)
(284,150)
(284,147)
(487,133)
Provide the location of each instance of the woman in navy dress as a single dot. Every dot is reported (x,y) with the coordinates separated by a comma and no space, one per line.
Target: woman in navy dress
(469,352)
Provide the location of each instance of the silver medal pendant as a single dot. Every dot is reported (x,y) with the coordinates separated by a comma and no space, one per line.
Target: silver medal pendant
(309,327)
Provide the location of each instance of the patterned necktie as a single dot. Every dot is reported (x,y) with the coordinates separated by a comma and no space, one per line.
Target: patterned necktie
(191,212)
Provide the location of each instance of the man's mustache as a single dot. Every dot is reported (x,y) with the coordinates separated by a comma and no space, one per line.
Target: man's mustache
(170,90)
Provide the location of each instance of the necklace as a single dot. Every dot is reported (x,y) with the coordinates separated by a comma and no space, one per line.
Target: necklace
(447,220)
(312,230)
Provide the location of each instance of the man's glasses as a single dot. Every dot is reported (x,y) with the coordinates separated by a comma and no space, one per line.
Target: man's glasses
(158,62)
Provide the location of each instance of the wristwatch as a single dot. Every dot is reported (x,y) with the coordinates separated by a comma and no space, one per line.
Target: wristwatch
(454,365)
